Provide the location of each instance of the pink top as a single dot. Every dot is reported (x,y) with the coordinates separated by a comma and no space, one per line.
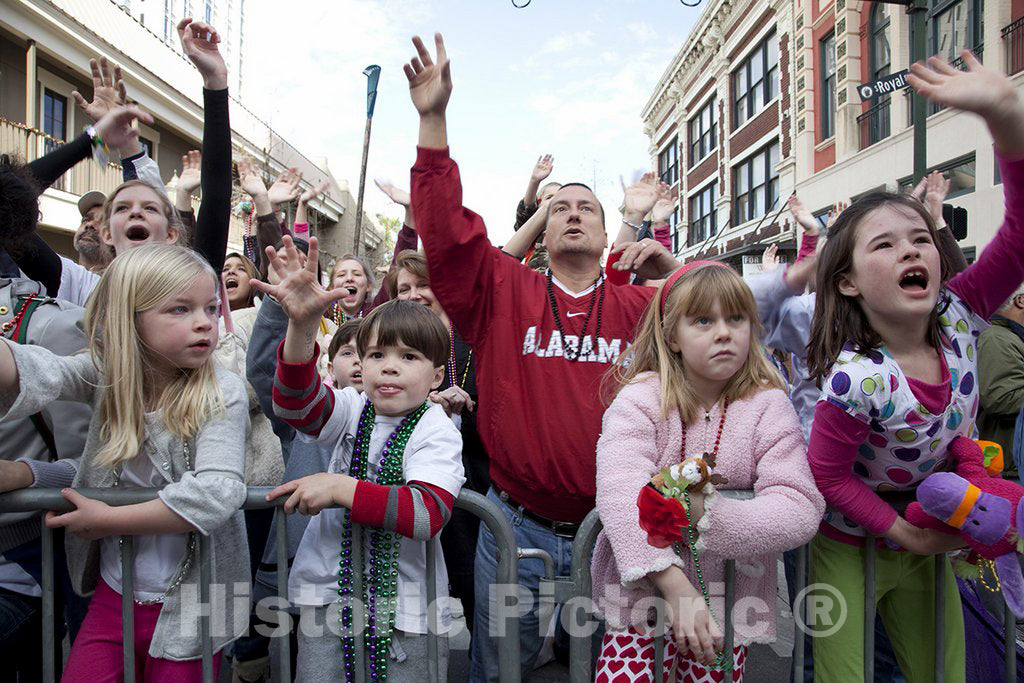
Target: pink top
(762,449)
(837,435)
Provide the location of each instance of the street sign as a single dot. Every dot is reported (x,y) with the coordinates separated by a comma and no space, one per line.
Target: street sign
(884,85)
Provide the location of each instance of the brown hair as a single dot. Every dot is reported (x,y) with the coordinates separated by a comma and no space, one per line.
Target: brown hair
(839,319)
(250,269)
(403,322)
(694,294)
(345,333)
(411,260)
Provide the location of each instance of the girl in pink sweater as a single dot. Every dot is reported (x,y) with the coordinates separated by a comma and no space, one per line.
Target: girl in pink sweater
(893,346)
(697,382)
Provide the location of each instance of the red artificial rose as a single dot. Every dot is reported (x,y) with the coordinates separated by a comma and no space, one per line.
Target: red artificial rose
(662,518)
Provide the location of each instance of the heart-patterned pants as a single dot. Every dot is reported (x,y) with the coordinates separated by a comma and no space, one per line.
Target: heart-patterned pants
(628,657)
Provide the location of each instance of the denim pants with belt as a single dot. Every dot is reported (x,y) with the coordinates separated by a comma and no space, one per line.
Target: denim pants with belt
(490,623)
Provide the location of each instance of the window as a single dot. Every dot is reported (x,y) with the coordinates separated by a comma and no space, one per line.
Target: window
(954,25)
(703,222)
(168,21)
(756,184)
(962,174)
(55,112)
(828,87)
(208,12)
(703,132)
(147,146)
(875,122)
(756,81)
(673,224)
(668,163)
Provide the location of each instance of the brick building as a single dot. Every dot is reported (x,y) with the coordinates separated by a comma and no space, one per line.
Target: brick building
(845,147)
(763,99)
(721,129)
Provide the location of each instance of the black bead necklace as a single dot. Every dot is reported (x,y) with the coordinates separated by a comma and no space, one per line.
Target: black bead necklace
(572,355)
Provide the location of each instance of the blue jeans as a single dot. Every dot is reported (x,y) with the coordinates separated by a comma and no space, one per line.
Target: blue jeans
(488,623)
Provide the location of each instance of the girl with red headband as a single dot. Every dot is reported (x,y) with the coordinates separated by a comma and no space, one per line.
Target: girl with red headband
(696,383)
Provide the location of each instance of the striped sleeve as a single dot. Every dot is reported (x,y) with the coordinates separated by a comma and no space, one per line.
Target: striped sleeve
(300,398)
(418,510)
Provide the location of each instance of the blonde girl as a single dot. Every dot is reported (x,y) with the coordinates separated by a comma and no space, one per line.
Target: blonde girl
(697,382)
(163,417)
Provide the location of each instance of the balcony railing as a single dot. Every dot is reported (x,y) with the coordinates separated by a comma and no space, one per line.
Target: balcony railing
(874,124)
(1013,36)
(29,144)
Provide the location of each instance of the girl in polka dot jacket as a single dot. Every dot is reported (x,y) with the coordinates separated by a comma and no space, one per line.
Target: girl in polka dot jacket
(894,348)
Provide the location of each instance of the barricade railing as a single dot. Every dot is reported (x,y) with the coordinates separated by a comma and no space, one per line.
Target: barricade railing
(51,499)
(579,589)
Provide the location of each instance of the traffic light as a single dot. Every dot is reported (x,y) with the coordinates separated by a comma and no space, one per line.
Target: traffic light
(956,219)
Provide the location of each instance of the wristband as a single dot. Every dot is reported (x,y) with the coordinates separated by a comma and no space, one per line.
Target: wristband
(100,152)
(632,225)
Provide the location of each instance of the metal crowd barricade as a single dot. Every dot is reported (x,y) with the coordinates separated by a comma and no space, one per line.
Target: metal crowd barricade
(579,586)
(51,499)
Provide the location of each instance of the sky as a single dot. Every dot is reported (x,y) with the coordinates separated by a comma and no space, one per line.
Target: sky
(567,78)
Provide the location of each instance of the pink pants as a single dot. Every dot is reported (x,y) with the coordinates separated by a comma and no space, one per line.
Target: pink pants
(628,657)
(98,655)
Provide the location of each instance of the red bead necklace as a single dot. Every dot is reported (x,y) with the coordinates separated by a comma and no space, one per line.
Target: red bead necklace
(710,458)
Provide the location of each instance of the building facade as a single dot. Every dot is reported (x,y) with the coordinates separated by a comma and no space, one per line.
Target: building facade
(764,99)
(847,145)
(45,47)
(721,129)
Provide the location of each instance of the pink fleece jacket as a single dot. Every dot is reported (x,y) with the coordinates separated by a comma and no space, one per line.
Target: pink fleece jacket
(762,448)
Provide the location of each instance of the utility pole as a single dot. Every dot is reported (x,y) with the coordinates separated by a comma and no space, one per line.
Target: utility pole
(372,74)
(918,11)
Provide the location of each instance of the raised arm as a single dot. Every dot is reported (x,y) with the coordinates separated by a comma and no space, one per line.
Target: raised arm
(37,259)
(406,237)
(301,209)
(519,244)
(461,260)
(932,191)
(986,283)
(199,43)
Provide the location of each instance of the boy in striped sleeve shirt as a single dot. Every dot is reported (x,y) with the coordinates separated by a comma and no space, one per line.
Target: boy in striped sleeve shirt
(393,478)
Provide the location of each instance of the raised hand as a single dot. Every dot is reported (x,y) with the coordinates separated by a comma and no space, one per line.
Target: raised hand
(980,90)
(803,215)
(108,90)
(542,169)
(430,83)
(662,210)
(395,193)
(191,175)
(770,258)
(931,192)
(199,43)
(249,179)
(641,196)
(115,127)
(285,188)
(302,297)
(839,207)
(312,193)
(647,258)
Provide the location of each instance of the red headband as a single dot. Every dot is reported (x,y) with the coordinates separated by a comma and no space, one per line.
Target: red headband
(679,274)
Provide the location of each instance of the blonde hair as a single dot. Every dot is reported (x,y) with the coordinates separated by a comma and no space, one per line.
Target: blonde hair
(170,213)
(137,281)
(694,294)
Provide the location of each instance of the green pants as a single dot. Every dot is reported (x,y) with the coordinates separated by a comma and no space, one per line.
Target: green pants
(904,598)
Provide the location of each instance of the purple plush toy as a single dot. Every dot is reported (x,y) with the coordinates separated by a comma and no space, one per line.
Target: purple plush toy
(982,508)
